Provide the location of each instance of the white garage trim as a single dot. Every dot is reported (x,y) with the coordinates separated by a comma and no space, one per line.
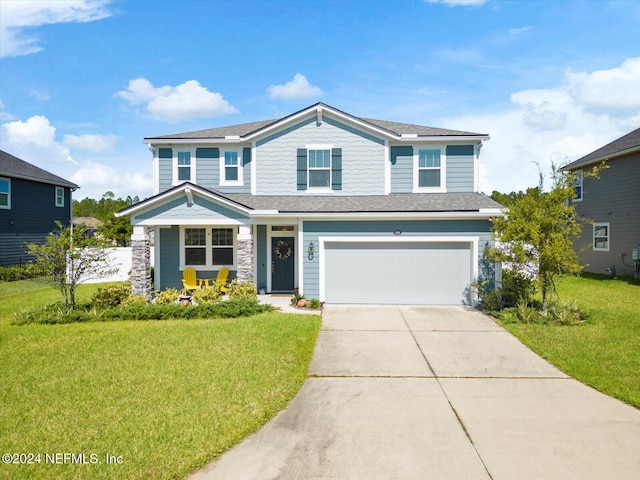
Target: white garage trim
(472,241)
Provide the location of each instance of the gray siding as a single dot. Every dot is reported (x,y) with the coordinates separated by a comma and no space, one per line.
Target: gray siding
(199,209)
(165,169)
(401,158)
(614,198)
(362,158)
(460,168)
(314,229)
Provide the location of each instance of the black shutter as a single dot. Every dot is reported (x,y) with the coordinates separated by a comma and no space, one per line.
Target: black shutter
(165,153)
(302,169)
(336,168)
(207,152)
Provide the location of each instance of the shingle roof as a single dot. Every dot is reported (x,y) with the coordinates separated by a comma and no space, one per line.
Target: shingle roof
(244,129)
(628,142)
(14,167)
(394,203)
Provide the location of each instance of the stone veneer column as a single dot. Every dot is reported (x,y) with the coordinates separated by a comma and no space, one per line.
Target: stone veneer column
(245,255)
(140,262)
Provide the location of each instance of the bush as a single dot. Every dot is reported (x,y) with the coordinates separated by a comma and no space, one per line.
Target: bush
(14,273)
(111,295)
(207,296)
(314,304)
(166,297)
(296,298)
(242,291)
(516,287)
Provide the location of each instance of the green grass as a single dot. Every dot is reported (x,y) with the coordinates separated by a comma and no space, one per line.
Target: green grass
(167,396)
(604,352)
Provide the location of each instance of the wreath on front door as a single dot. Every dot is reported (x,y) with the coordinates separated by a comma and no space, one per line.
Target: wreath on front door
(283,250)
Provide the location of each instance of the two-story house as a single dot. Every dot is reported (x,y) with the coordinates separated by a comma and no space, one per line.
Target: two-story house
(31,201)
(345,209)
(612,203)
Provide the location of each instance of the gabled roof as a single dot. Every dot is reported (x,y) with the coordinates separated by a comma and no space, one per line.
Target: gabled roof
(11,166)
(622,146)
(247,131)
(405,203)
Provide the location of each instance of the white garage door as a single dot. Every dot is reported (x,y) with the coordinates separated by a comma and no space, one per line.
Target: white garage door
(429,273)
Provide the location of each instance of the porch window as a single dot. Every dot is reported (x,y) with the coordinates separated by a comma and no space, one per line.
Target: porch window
(195,246)
(207,247)
(601,237)
(222,246)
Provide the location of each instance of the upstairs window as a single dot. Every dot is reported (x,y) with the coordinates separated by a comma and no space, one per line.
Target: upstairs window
(231,168)
(320,169)
(5,193)
(184,166)
(429,170)
(601,237)
(59,197)
(577,185)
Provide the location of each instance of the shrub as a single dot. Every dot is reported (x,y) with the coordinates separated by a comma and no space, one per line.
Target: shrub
(516,287)
(166,297)
(242,291)
(296,298)
(314,304)
(111,295)
(207,296)
(21,272)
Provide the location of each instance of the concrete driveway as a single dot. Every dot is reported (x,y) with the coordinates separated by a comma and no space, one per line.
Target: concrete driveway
(435,393)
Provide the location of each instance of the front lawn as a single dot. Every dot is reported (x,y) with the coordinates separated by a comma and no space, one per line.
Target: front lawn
(161,398)
(604,352)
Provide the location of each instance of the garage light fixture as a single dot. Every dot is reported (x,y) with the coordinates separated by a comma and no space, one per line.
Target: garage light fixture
(310,251)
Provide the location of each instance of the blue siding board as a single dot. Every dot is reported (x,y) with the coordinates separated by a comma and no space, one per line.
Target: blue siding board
(199,209)
(261,255)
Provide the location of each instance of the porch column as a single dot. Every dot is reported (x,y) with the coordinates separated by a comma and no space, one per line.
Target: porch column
(245,254)
(140,262)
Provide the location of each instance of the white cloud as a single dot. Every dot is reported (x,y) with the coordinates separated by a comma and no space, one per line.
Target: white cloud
(615,91)
(297,88)
(558,125)
(34,141)
(186,101)
(19,15)
(96,178)
(458,3)
(91,142)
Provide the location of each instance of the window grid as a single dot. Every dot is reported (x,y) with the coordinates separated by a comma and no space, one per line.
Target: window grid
(59,197)
(231,166)
(429,168)
(601,236)
(5,193)
(319,168)
(184,165)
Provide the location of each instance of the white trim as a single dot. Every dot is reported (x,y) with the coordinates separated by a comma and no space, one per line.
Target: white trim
(223,182)
(301,257)
(608,236)
(387,168)
(208,247)
(443,169)
(156,173)
(291,234)
(472,240)
(254,169)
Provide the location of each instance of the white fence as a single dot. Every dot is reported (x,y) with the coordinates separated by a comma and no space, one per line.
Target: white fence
(119,258)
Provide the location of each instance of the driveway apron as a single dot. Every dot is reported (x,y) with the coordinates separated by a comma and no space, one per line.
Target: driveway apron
(406,392)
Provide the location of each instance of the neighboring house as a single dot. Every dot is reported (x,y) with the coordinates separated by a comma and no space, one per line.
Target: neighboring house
(90,224)
(345,209)
(31,201)
(612,203)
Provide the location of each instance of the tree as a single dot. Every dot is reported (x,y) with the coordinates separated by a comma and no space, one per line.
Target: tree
(70,258)
(117,229)
(540,229)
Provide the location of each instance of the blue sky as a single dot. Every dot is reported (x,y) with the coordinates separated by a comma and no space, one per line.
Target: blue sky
(82,82)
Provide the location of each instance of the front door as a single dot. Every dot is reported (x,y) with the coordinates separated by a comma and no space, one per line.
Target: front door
(282,264)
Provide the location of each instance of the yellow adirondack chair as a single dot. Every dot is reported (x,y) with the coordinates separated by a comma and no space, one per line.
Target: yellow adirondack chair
(223,275)
(189,279)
